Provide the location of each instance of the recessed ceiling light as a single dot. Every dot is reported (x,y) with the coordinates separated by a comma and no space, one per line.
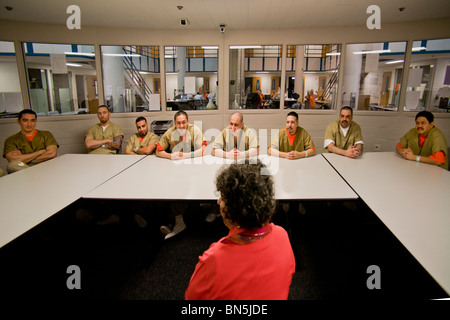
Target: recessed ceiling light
(73,64)
(372,51)
(394,61)
(245,47)
(121,54)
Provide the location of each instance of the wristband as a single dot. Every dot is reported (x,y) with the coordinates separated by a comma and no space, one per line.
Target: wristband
(136,149)
(103,146)
(306,154)
(418,158)
(192,154)
(245,154)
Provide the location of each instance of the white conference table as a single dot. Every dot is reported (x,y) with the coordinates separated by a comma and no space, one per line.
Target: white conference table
(156,178)
(30,196)
(412,199)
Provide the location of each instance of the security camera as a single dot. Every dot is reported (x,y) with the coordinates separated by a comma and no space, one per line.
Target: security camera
(222,28)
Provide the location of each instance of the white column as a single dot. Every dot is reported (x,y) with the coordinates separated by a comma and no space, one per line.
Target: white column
(113,76)
(299,59)
(352,74)
(181,67)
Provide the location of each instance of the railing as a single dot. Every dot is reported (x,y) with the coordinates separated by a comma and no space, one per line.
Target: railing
(135,78)
(330,84)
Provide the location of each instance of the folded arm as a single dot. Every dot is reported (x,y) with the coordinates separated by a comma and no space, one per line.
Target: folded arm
(292,154)
(408,154)
(42,155)
(235,153)
(113,144)
(352,152)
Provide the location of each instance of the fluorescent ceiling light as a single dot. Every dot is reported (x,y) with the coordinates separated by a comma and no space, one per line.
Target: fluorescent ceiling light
(394,61)
(90,54)
(372,51)
(121,54)
(73,64)
(262,71)
(419,48)
(210,47)
(245,47)
(333,54)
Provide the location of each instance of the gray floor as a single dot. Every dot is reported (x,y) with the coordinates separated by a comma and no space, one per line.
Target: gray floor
(334,243)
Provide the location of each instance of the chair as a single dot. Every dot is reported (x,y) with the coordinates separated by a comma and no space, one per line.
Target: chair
(198,104)
(253,101)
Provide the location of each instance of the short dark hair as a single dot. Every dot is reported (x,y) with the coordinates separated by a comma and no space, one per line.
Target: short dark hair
(180,112)
(26,111)
(293,114)
(103,106)
(248,195)
(426,114)
(347,108)
(139,119)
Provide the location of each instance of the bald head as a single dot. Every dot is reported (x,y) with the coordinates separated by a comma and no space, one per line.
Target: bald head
(236,121)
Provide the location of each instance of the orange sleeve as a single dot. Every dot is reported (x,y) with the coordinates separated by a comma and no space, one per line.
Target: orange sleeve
(159,148)
(399,145)
(204,143)
(438,156)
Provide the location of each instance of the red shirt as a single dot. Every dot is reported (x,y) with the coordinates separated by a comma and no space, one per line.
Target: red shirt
(438,156)
(260,270)
(291,137)
(32,136)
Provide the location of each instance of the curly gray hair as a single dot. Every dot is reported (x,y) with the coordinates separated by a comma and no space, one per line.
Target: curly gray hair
(248,195)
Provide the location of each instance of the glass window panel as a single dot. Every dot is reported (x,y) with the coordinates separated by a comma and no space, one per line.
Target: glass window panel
(61,78)
(312,74)
(131,76)
(255,77)
(428,85)
(191,77)
(10,93)
(373,75)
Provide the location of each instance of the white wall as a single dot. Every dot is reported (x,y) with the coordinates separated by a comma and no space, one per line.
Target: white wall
(383,128)
(9,79)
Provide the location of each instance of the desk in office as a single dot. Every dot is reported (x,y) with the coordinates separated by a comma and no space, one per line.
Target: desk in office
(323,104)
(31,196)
(411,199)
(383,108)
(189,104)
(155,178)
(180,104)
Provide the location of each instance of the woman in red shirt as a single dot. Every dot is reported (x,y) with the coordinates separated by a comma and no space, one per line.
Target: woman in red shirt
(255,261)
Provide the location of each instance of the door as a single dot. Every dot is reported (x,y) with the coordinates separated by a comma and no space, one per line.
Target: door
(274,85)
(385,92)
(256,84)
(322,86)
